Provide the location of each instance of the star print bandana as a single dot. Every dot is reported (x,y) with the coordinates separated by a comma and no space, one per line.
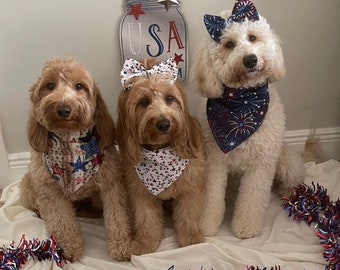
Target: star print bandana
(73,158)
(235,116)
(160,168)
(167,70)
(243,9)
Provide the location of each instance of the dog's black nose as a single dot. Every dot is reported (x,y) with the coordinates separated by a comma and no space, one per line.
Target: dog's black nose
(163,125)
(63,110)
(250,60)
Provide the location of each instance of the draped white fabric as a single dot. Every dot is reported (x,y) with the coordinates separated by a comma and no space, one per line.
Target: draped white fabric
(284,242)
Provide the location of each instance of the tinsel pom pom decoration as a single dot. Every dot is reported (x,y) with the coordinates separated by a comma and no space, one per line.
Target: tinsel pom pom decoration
(312,204)
(13,258)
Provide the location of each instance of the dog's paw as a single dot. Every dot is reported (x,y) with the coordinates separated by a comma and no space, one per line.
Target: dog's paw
(120,250)
(191,239)
(73,250)
(209,228)
(138,248)
(246,228)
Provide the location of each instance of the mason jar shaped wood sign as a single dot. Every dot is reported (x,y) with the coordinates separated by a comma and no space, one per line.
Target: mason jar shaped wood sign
(154,28)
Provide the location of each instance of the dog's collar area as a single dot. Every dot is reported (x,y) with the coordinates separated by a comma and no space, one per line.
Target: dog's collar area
(154,147)
(237,115)
(160,168)
(73,158)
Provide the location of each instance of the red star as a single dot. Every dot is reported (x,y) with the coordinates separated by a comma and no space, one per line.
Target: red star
(57,170)
(136,10)
(97,160)
(178,58)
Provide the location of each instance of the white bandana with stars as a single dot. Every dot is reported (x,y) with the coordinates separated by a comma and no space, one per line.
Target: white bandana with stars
(160,168)
(73,158)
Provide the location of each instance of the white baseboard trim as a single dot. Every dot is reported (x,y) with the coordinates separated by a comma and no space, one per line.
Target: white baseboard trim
(329,143)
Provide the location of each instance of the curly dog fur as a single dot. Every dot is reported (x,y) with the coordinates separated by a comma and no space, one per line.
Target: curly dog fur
(65,99)
(263,156)
(141,110)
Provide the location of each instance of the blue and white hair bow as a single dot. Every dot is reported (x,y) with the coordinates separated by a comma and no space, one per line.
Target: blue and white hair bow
(167,70)
(243,9)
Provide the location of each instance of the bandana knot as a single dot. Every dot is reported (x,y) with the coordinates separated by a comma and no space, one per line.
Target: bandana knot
(160,168)
(235,116)
(167,70)
(73,158)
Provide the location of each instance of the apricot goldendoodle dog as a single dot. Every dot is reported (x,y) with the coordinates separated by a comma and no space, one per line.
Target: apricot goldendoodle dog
(162,153)
(73,155)
(243,120)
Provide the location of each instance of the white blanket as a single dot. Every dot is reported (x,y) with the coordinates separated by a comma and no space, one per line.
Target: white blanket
(283,242)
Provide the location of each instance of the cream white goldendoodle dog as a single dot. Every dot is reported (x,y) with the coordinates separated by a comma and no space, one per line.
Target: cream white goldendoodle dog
(73,156)
(244,120)
(162,153)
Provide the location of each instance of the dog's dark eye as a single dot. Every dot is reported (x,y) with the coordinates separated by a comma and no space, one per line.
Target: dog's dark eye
(50,86)
(144,102)
(79,86)
(169,99)
(229,45)
(252,38)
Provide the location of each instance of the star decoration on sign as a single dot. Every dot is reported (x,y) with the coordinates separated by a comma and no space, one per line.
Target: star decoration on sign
(178,58)
(136,10)
(168,3)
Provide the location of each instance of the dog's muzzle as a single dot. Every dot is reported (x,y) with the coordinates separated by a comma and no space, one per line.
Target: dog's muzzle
(250,61)
(63,110)
(163,125)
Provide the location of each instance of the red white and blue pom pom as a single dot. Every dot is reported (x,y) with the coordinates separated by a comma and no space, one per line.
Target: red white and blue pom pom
(312,204)
(13,258)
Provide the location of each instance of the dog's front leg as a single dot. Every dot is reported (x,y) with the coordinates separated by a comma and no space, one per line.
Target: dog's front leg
(252,201)
(60,219)
(148,222)
(187,212)
(117,227)
(214,208)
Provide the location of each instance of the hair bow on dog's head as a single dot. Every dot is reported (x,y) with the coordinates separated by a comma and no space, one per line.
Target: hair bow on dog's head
(167,70)
(243,9)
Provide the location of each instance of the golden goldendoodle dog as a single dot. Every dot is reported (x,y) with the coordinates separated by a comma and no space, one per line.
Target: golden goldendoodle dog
(162,153)
(243,120)
(73,156)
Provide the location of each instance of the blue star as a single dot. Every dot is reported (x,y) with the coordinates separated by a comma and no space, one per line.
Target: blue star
(78,165)
(91,148)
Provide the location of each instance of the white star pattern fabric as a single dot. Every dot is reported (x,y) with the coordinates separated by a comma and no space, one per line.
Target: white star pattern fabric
(167,70)
(73,158)
(160,168)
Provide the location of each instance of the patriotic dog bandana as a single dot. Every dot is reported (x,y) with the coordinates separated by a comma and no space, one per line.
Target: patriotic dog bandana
(235,116)
(160,168)
(73,158)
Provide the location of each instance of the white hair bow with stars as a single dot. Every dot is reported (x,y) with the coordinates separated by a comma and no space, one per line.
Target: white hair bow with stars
(167,70)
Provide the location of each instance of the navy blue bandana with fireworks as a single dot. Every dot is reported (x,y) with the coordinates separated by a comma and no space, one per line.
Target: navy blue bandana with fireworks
(235,116)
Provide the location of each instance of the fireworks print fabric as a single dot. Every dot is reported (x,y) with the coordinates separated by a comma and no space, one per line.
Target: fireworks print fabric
(243,9)
(73,159)
(167,70)
(235,116)
(160,168)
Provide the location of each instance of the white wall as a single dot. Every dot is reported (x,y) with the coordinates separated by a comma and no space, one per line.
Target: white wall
(32,31)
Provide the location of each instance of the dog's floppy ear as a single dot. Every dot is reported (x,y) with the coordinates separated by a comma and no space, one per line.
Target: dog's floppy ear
(128,146)
(37,134)
(104,126)
(279,69)
(203,72)
(189,141)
